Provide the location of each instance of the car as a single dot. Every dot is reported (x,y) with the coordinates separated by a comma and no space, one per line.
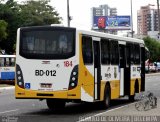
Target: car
(157,65)
(146,68)
(152,67)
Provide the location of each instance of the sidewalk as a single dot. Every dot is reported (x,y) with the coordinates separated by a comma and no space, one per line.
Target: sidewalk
(6,87)
(152,74)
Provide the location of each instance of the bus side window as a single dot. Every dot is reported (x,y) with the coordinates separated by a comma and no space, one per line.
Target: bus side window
(1,62)
(114,52)
(105,51)
(122,55)
(7,62)
(12,62)
(87,50)
(137,54)
(128,54)
(132,53)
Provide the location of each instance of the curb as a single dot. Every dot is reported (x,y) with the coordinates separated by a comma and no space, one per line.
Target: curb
(7,88)
(152,74)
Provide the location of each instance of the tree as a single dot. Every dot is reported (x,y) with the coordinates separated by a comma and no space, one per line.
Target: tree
(38,13)
(3,28)
(154,48)
(29,13)
(10,13)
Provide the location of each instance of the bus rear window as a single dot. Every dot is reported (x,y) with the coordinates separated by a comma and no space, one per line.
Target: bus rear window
(47,43)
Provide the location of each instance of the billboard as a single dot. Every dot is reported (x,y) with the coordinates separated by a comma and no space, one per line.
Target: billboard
(111,22)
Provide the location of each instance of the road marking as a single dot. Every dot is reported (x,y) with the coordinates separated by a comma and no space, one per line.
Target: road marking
(8,111)
(87,118)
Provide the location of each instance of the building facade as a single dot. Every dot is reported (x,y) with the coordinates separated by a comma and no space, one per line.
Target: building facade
(102,10)
(147,21)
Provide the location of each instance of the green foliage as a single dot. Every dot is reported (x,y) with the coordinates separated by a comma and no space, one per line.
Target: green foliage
(154,48)
(3,28)
(9,13)
(38,13)
(29,13)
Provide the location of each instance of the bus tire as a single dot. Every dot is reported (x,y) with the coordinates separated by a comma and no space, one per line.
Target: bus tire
(55,104)
(107,97)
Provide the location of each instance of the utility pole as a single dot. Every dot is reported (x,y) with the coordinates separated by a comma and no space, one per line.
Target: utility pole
(131,20)
(158,18)
(68,15)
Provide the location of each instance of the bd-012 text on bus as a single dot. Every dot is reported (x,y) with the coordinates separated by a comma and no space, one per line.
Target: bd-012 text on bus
(45,73)
(71,65)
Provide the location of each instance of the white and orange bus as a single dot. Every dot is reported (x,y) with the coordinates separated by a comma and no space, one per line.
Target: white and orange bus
(62,64)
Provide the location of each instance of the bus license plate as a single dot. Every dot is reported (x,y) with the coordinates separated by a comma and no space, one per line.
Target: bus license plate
(45,73)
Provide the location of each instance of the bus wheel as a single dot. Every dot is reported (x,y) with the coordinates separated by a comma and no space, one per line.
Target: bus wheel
(107,98)
(55,104)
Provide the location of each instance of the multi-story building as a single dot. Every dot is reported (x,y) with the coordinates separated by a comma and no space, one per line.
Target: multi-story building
(147,21)
(113,11)
(102,10)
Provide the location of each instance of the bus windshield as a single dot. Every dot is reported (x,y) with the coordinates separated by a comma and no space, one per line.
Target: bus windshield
(47,43)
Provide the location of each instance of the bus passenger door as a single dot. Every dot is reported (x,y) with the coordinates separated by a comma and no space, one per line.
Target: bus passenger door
(97,69)
(122,67)
(127,70)
(142,69)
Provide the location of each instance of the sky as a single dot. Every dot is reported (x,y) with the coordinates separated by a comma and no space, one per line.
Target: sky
(80,10)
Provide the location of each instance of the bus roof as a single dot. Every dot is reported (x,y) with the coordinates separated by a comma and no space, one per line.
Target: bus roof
(7,56)
(111,36)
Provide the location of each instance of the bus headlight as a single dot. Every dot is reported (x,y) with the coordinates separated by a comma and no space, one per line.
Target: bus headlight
(19,77)
(72,84)
(74,73)
(73,78)
(18,72)
(20,83)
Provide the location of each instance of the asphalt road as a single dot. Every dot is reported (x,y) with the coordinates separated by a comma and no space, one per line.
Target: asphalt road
(34,110)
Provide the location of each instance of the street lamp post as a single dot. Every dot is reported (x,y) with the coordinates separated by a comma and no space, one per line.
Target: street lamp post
(68,15)
(158,18)
(131,20)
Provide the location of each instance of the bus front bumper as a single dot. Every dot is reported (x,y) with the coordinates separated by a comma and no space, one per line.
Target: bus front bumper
(36,94)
